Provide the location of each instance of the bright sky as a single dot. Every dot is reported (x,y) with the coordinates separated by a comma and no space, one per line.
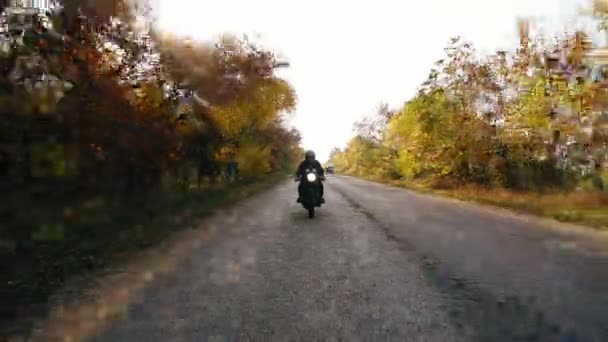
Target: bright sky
(348,56)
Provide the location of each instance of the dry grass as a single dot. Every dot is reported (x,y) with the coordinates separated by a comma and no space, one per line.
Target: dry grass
(589,208)
(584,207)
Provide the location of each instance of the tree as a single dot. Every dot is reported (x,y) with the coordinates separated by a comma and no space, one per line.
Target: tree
(373,127)
(486,120)
(193,98)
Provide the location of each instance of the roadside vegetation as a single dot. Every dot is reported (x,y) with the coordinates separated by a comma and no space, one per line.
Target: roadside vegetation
(114,135)
(527,130)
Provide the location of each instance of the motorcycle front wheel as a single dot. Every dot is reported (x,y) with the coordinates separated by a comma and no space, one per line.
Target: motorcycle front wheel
(311,212)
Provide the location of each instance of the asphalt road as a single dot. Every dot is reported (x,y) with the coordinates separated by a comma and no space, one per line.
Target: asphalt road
(377,263)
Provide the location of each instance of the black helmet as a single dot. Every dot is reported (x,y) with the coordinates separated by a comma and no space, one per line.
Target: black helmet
(310,155)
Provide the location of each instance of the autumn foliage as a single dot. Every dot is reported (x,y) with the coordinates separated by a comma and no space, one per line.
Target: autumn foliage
(532,120)
(145,104)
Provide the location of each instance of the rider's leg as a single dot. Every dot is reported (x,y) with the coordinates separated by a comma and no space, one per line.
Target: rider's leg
(321,188)
(300,190)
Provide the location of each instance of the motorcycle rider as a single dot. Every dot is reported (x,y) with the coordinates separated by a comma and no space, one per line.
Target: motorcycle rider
(310,162)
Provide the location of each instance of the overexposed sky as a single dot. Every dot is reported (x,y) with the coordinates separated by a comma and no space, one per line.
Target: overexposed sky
(348,56)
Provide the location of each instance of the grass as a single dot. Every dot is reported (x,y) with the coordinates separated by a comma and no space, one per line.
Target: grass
(99,233)
(589,208)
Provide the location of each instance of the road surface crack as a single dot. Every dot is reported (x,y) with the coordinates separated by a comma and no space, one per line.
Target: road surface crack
(468,304)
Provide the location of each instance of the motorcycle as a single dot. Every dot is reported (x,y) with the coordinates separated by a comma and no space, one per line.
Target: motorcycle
(311,197)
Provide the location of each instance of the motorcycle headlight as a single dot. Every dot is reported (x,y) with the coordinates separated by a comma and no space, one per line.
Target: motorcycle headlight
(311,177)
